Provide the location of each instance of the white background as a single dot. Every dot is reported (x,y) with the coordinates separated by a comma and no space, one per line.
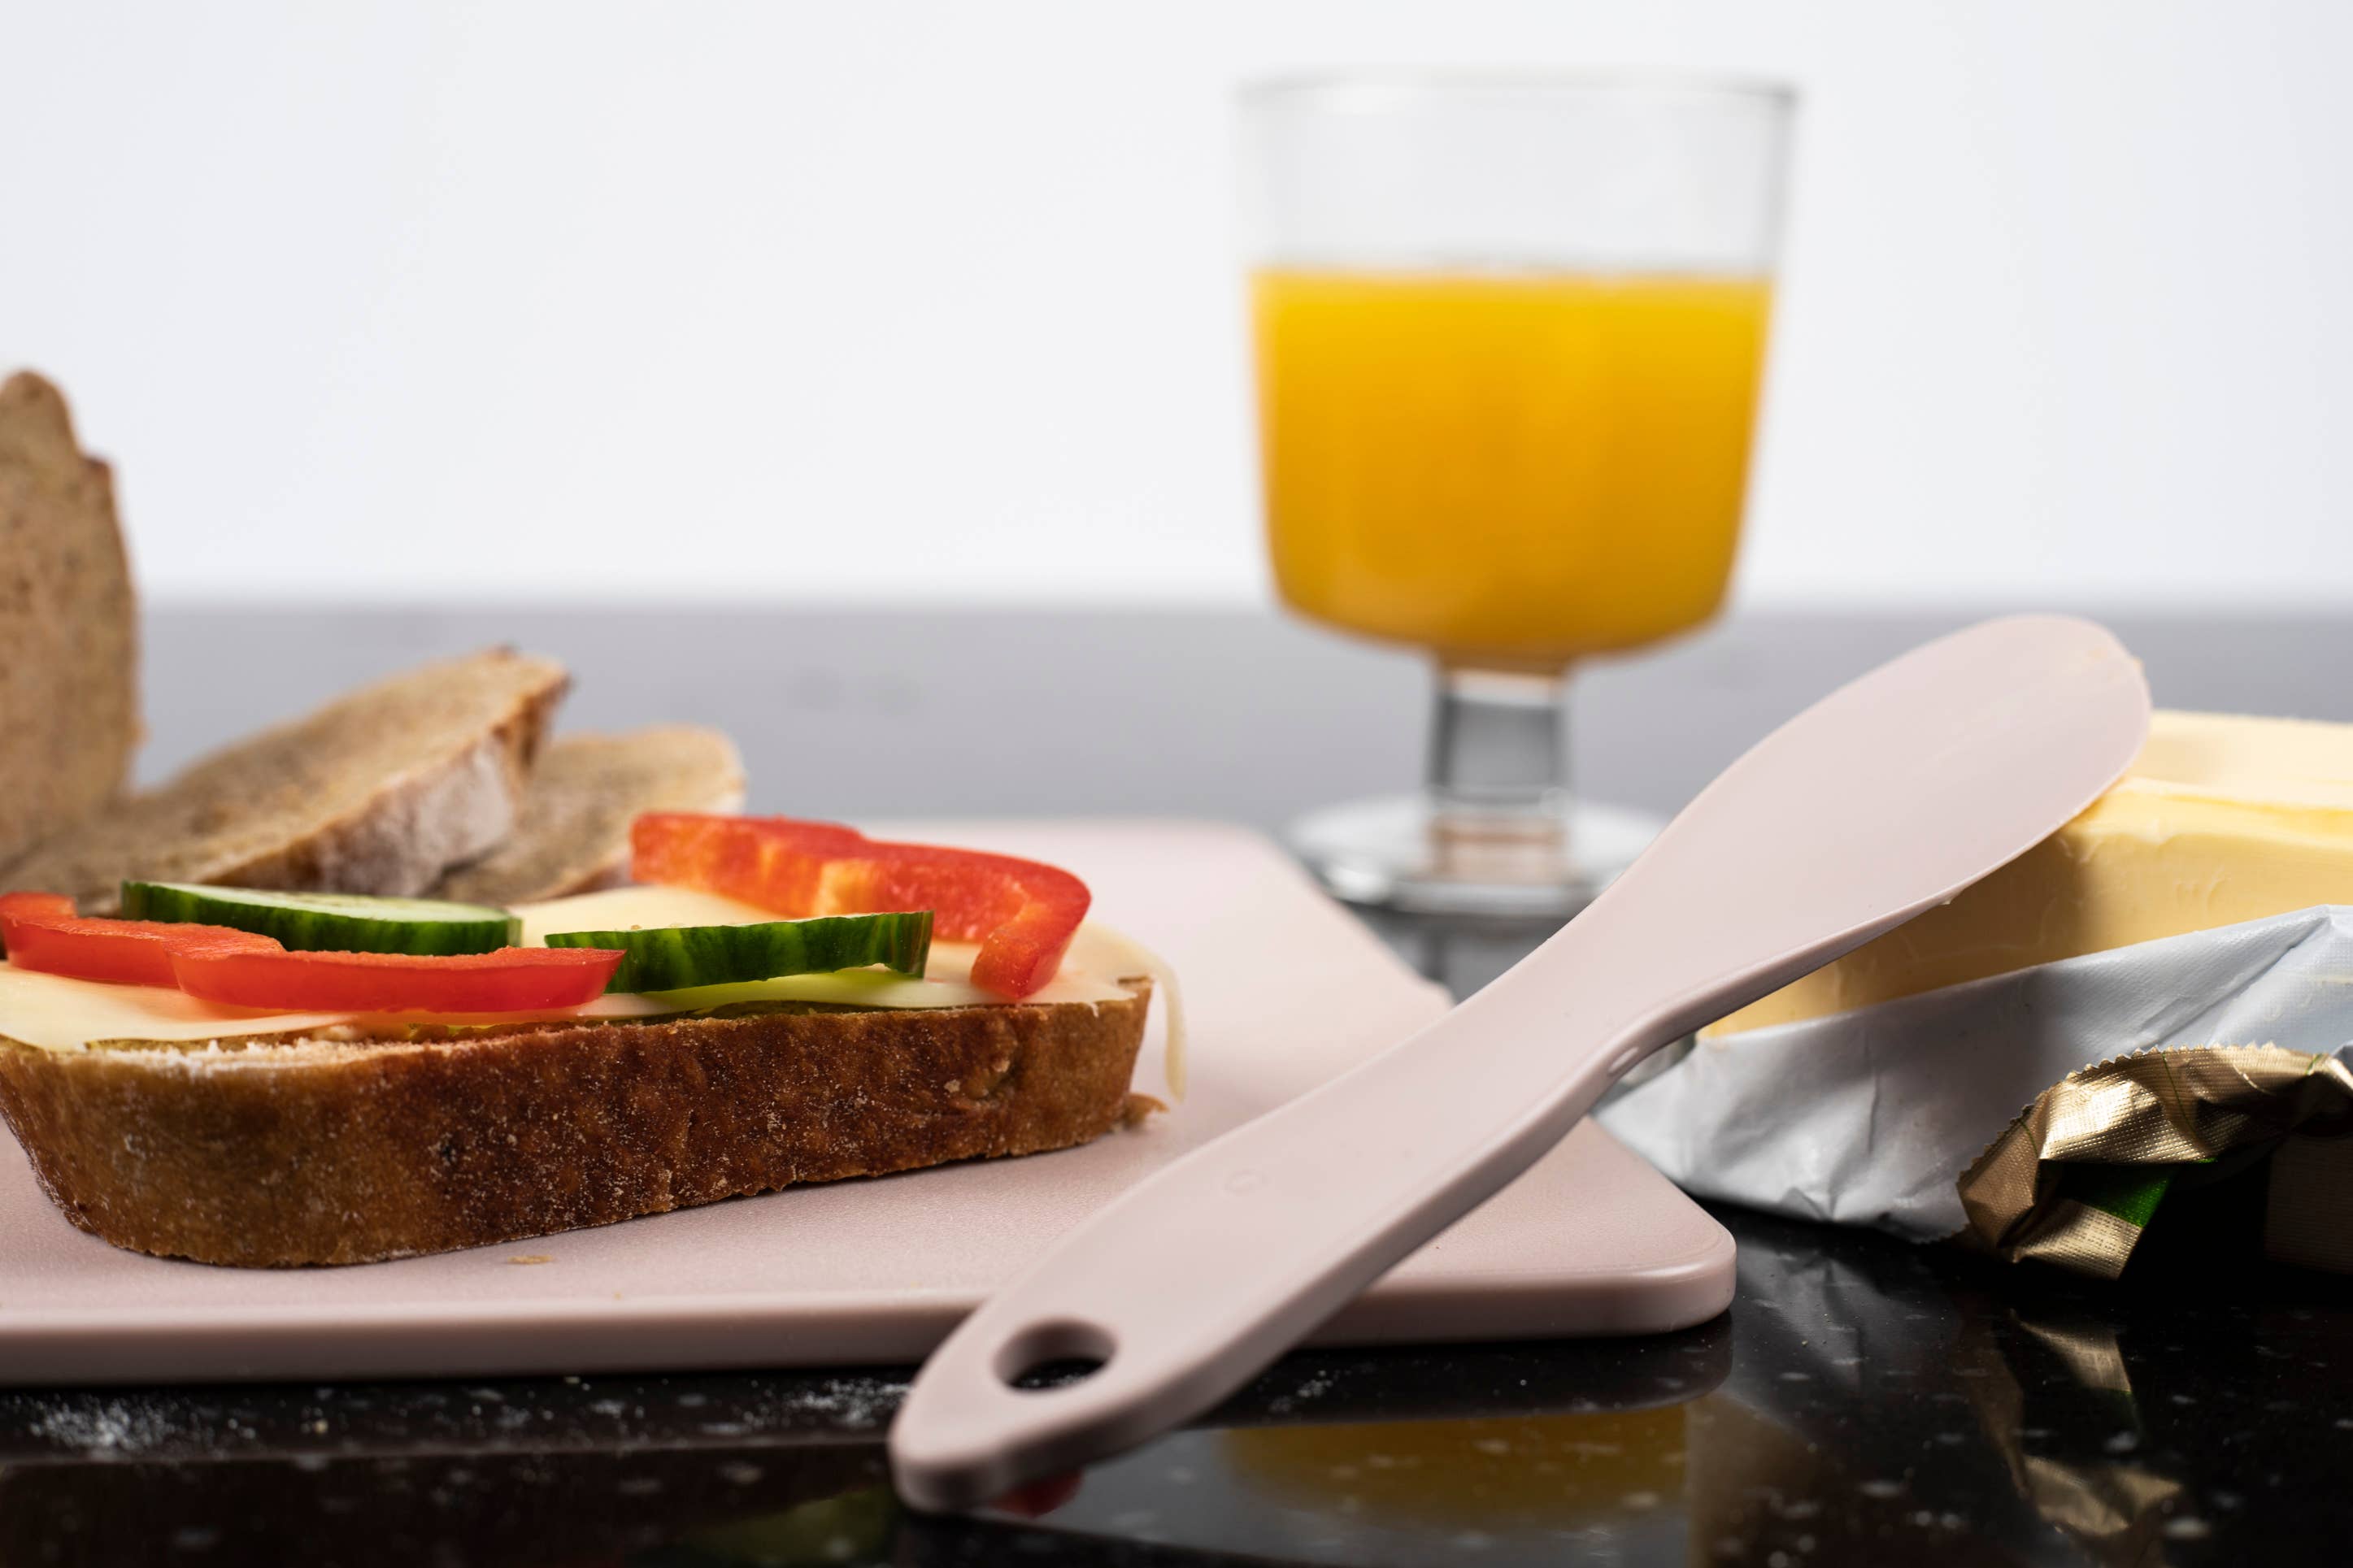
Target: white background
(934,301)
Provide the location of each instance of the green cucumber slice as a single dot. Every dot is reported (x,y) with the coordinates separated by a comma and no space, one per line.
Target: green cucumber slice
(329,922)
(671,958)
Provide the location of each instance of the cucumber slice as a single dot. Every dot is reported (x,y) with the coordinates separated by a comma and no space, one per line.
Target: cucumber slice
(329,922)
(671,958)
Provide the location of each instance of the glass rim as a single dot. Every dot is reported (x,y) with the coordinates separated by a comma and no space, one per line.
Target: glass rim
(1402,84)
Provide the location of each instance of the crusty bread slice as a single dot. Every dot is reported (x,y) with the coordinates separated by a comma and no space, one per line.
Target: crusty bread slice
(346,1150)
(379,792)
(573,834)
(68,624)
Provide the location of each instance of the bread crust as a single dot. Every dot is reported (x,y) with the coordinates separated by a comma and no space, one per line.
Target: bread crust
(571,834)
(293,807)
(320,1151)
(449,811)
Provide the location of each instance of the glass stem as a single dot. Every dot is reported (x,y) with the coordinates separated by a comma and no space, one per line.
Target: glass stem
(1499,755)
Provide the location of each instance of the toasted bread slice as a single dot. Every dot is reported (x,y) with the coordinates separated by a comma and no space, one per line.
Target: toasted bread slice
(68,624)
(379,792)
(334,1150)
(573,834)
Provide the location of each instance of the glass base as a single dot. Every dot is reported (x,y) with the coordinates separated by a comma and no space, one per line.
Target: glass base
(1399,853)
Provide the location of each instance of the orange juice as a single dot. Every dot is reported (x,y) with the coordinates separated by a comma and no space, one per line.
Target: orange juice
(1510,469)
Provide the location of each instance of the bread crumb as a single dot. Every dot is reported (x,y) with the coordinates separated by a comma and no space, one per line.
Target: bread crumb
(532,1258)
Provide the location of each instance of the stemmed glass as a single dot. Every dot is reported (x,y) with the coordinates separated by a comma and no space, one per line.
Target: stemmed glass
(1509,335)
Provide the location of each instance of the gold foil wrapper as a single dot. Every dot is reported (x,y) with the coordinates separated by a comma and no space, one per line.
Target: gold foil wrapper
(2077,1178)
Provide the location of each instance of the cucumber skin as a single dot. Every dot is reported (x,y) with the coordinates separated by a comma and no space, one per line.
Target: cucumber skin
(674,958)
(301,931)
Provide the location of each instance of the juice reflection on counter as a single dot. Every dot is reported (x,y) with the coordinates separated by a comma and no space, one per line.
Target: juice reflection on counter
(1511,469)
(1499,1472)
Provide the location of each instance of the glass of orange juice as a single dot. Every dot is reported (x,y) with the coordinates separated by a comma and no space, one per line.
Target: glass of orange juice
(1509,337)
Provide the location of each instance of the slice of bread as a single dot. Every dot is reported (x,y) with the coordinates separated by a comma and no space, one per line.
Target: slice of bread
(382,791)
(573,834)
(68,624)
(298,1150)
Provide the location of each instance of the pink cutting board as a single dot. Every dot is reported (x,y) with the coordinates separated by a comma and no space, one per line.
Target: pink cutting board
(1283,989)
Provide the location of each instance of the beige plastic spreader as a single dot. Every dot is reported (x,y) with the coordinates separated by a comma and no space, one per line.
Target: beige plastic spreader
(1886,797)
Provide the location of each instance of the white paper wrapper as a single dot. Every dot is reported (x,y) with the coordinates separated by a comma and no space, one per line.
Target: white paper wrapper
(1870,1117)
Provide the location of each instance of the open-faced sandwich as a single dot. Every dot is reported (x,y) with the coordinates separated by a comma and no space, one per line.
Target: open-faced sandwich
(272,1077)
(372,991)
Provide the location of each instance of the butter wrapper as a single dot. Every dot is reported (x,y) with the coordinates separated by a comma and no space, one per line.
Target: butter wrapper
(2077,1178)
(1873,1117)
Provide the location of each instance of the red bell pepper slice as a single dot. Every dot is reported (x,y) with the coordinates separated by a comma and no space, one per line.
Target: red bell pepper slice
(55,906)
(510,979)
(41,932)
(1021,913)
(241,969)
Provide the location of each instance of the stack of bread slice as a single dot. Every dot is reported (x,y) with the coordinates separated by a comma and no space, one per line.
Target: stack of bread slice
(441,779)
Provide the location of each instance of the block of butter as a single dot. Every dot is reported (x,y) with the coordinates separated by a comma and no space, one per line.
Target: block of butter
(2222,819)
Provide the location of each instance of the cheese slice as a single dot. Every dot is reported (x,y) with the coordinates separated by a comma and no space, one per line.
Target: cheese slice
(630,909)
(1098,949)
(55,1012)
(946,982)
(2220,820)
(61,1015)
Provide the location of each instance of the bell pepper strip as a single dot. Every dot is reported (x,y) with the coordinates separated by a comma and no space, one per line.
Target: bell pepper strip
(56,906)
(1021,913)
(510,979)
(242,969)
(41,932)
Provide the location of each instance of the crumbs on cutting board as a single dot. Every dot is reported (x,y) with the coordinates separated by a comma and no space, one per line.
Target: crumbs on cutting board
(533,1258)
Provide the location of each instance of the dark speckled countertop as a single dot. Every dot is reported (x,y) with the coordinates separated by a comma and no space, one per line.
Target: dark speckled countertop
(1863,1402)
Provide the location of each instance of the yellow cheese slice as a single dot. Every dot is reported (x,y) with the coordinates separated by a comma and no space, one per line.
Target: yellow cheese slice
(61,1015)
(1098,949)
(946,982)
(627,909)
(2222,819)
(53,1012)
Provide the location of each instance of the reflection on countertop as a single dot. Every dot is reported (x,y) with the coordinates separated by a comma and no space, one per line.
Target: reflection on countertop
(1863,1402)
